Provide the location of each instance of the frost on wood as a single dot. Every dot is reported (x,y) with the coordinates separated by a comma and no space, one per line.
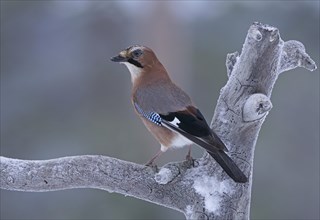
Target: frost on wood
(294,55)
(200,190)
(212,192)
(166,174)
(230,61)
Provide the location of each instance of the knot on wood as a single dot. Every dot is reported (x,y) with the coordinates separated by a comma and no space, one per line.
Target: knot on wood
(256,107)
(259,31)
(255,34)
(10,179)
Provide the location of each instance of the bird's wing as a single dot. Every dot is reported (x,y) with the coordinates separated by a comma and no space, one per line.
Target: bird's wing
(153,117)
(190,123)
(195,128)
(190,120)
(165,102)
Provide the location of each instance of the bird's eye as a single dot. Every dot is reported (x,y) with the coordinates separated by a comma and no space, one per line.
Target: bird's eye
(136,53)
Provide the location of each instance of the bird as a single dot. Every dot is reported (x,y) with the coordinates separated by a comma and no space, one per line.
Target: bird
(168,112)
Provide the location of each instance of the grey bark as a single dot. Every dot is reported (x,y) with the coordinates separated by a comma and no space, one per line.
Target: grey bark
(200,190)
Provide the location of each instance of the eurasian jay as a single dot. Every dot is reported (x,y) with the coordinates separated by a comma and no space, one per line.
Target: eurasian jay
(168,112)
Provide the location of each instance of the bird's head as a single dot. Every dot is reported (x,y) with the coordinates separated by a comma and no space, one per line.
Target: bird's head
(138,59)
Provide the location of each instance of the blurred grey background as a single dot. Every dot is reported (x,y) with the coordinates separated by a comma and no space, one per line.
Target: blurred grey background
(61,96)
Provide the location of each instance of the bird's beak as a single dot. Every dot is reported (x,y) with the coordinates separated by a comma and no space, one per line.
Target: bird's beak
(119,58)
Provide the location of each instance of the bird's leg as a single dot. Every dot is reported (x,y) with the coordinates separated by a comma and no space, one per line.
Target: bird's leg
(188,156)
(189,159)
(150,162)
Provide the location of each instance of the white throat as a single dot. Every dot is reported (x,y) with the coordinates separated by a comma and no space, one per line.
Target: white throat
(134,71)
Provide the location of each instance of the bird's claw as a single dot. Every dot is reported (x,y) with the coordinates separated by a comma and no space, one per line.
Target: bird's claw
(153,166)
(190,161)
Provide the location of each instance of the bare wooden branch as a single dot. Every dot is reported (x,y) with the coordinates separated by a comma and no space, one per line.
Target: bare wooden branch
(100,172)
(200,190)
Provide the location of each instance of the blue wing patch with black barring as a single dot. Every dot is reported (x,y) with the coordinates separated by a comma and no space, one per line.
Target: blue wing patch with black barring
(151,116)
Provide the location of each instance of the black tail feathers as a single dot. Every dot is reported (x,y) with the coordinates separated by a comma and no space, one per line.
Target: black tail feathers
(220,156)
(229,166)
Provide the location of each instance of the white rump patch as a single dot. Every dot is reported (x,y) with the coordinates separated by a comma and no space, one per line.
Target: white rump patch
(180,141)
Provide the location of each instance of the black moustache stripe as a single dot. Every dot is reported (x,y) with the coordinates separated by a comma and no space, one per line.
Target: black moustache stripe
(134,62)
